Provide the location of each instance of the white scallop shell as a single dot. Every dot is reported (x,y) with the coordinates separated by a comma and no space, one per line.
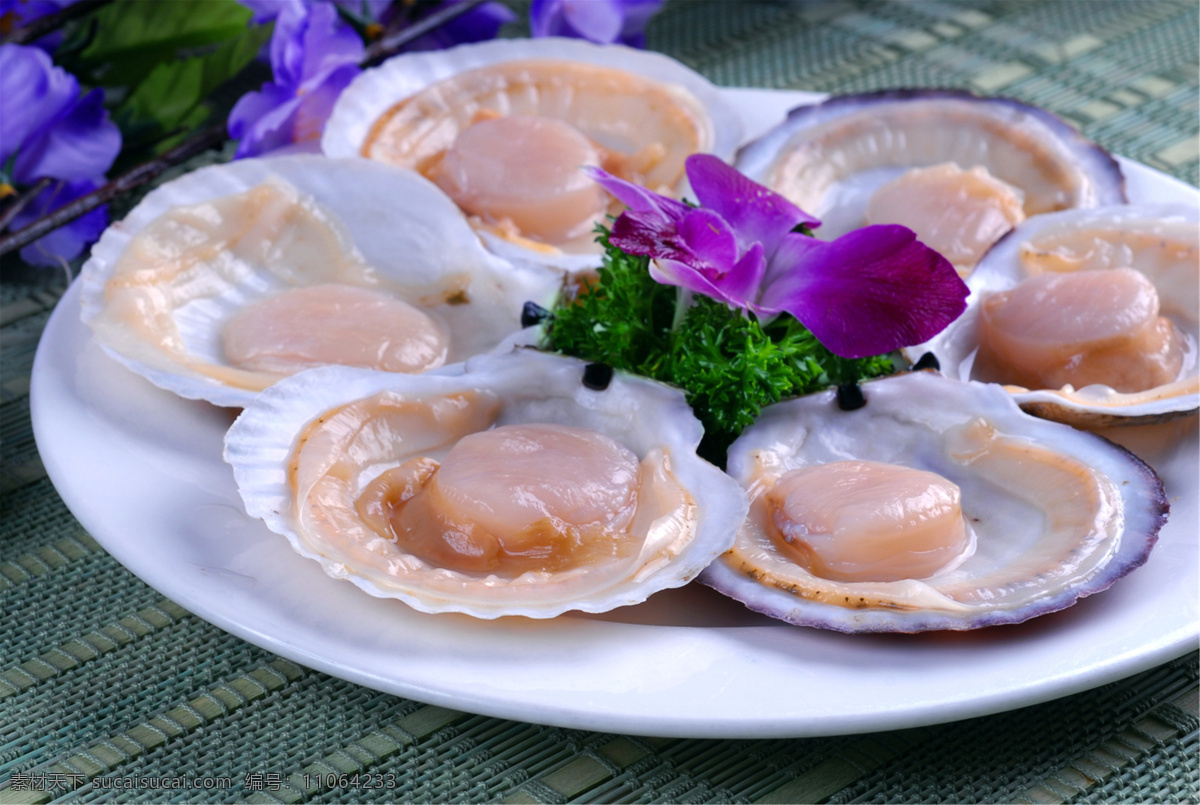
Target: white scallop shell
(535,387)
(403,226)
(1023,564)
(377,89)
(1178,285)
(899,129)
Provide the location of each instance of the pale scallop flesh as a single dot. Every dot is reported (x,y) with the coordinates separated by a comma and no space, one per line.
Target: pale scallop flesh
(937,505)
(223,281)
(504,126)
(1090,317)
(511,485)
(958,169)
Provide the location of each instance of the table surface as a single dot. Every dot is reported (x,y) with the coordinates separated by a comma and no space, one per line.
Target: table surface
(103,681)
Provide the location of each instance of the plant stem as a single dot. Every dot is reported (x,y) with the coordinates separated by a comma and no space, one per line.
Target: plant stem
(206,139)
(43,25)
(21,201)
(683,302)
(389,45)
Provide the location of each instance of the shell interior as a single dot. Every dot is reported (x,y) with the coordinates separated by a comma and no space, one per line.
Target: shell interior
(832,158)
(277,442)
(162,285)
(1056,513)
(621,98)
(1160,241)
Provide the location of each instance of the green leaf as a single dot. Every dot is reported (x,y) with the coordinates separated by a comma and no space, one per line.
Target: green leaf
(728,363)
(133,37)
(171,95)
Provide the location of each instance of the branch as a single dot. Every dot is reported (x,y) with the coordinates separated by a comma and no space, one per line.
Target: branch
(43,25)
(20,202)
(135,177)
(389,45)
(211,137)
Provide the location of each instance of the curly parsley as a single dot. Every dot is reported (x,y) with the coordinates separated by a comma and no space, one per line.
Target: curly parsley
(728,363)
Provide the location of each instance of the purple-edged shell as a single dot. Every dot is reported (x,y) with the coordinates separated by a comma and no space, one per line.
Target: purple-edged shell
(1162,241)
(1057,514)
(831,158)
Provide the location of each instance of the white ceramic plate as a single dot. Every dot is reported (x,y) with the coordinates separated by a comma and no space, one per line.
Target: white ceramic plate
(141,469)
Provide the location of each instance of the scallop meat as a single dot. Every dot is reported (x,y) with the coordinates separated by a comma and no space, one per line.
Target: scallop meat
(937,505)
(231,277)
(1090,317)
(504,127)
(521,483)
(958,169)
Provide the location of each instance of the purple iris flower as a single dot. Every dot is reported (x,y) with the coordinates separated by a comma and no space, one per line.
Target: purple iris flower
(48,130)
(603,21)
(868,292)
(267,10)
(314,55)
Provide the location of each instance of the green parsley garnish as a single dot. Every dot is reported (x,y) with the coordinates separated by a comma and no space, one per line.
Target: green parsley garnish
(727,362)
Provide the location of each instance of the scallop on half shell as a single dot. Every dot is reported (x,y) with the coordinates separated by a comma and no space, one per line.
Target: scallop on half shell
(513,485)
(223,281)
(958,169)
(937,505)
(504,126)
(1089,317)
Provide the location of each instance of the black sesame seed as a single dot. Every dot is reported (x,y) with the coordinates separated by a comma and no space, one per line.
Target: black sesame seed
(927,361)
(597,376)
(850,397)
(532,314)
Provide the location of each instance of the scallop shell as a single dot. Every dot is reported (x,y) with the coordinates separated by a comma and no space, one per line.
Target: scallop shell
(1010,467)
(830,157)
(400,226)
(1163,242)
(377,90)
(532,387)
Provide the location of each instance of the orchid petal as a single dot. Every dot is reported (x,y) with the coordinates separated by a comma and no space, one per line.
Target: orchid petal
(742,283)
(647,234)
(756,213)
(683,275)
(706,235)
(636,197)
(869,292)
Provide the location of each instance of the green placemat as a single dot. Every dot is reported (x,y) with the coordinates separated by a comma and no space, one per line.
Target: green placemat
(104,684)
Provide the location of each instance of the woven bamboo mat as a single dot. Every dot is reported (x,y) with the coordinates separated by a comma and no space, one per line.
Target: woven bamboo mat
(104,684)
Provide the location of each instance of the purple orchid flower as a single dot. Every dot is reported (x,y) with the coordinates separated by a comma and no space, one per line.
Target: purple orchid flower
(49,130)
(314,56)
(603,21)
(868,292)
